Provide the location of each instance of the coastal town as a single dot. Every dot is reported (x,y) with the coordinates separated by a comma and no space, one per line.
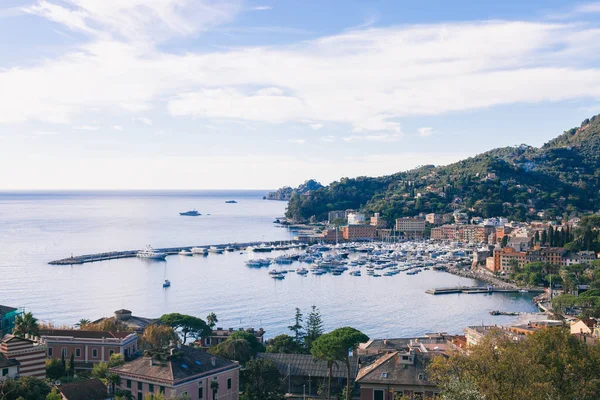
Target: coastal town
(179,356)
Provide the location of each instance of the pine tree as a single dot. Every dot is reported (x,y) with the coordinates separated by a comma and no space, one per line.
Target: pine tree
(314,327)
(297,327)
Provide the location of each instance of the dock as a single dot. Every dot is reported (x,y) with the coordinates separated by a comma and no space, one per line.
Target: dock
(476,289)
(114,255)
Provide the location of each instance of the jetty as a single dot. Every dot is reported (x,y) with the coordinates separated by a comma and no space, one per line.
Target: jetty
(476,289)
(114,255)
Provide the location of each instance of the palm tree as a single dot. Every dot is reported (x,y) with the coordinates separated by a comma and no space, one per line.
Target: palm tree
(114,380)
(82,323)
(212,320)
(26,323)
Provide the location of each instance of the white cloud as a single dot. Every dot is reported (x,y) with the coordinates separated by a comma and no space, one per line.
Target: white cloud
(587,8)
(297,141)
(328,139)
(144,120)
(45,133)
(425,131)
(382,137)
(117,127)
(316,127)
(261,8)
(87,128)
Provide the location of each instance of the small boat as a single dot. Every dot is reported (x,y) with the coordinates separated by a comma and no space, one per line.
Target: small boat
(185,252)
(278,277)
(150,253)
(215,249)
(231,202)
(199,250)
(263,248)
(167,283)
(523,291)
(302,271)
(191,213)
(229,248)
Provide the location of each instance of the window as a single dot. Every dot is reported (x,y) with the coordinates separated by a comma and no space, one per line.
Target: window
(200,393)
(162,389)
(208,341)
(64,352)
(405,357)
(139,385)
(140,396)
(77,352)
(49,351)
(421,377)
(95,353)
(128,383)
(377,394)
(384,375)
(111,352)
(228,383)
(151,388)
(4,371)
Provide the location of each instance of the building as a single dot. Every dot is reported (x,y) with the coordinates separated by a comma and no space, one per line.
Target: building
(395,375)
(583,326)
(220,335)
(7,319)
(127,320)
(356,218)
(304,373)
(30,355)
(377,221)
(507,258)
(412,227)
(91,389)
(580,257)
(9,368)
(180,370)
(336,216)
(88,347)
(332,235)
(434,219)
(463,233)
(358,232)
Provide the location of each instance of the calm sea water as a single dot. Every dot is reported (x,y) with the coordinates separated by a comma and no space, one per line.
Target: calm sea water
(38,227)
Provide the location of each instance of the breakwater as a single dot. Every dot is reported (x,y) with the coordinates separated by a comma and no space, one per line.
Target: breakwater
(475,289)
(113,255)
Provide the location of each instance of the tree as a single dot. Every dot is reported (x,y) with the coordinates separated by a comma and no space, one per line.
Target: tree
(54,395)
(338,345)
(260,380)
(314,327)
(297,327)
(82,323)
(100,370)
(26,323)
(211,320)
(115,360)
(284,344)
(214,385)
(156,336)
(26,388)
(63,362)
(233,349)
(324,349)
(54,369)
(544,238)
(536,237)
(187,325)
(72,365)
(504,242)
(114,380)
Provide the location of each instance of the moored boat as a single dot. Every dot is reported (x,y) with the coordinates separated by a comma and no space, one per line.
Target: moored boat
(150,253)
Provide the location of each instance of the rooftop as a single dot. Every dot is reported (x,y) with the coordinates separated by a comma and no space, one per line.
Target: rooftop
(306,364)
(185,362)
(92,389)
(6,309)
(76,333)
(388,369)
(7,362)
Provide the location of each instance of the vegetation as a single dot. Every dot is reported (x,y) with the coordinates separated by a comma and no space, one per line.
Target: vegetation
(54,369)
(155,336)
(550,364)
(335,346)
(562,177)
(26,324)
(26,388)
(285,193)
(186,325)
(54,395)
(260,381)
(284,344)
(314,327)
(239,346)
(297,328)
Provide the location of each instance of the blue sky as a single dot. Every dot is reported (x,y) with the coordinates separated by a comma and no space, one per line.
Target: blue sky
(206,94)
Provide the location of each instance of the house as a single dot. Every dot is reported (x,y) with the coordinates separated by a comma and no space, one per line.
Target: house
(91,389)
(583,326)
(88,347)
(396,374)
(130,322)
(304,374)
(9,368)
(7,319)
(180,370)
(220,335)
(28,352)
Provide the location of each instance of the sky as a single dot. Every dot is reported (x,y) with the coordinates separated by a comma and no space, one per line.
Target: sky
(258,94)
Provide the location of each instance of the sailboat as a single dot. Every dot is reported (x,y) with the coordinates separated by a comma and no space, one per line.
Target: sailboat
(166,283)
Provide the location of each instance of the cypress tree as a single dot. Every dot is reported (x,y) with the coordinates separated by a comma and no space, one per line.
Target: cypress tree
(544,237)
(536,237)
(551,236)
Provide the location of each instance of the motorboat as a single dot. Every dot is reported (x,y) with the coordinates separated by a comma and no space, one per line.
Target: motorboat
(215,250)
(230,201)
(229,248)
(167,283)
(199,250)
(150,253)
(191,213)
(185,252)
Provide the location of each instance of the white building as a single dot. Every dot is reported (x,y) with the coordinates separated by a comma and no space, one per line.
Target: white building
(356,219)
(9,368)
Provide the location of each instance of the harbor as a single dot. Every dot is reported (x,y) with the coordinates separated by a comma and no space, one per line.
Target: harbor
(478,289)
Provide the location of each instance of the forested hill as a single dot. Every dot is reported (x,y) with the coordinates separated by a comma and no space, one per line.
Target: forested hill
(563,176)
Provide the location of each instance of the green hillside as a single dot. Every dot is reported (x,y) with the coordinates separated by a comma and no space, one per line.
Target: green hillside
(518,182)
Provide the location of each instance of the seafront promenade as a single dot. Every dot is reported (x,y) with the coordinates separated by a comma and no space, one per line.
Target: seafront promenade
(112,255)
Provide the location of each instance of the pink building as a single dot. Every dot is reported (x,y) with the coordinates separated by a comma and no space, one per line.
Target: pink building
(181,370)
(88,347)
(30,355)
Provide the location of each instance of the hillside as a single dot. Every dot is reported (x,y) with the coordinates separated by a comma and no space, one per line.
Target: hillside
(286,192)
(563,176)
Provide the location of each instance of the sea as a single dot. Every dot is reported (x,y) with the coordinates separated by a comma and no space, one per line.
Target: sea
(37,227)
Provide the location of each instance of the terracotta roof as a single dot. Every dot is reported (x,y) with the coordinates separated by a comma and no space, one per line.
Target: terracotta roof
(92,389)
(389,370)
(7,362)
(76,333)
(306,364)
(190,363)
(13,338)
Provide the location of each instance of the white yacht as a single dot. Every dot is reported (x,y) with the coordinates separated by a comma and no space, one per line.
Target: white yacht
(149,252)
(185,252)
(199,250)
(215,249)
